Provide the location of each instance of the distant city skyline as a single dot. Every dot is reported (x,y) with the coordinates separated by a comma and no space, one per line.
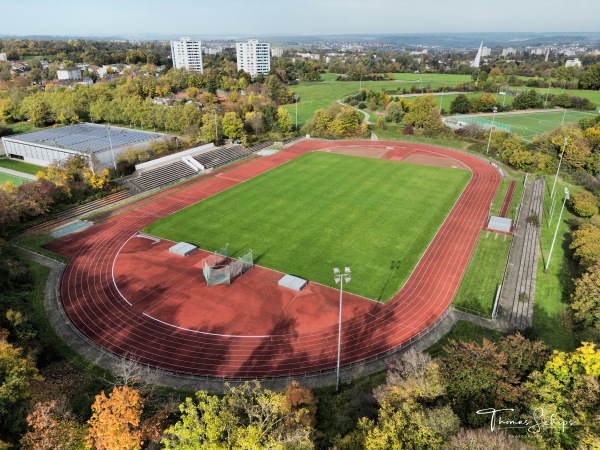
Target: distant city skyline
(308,17)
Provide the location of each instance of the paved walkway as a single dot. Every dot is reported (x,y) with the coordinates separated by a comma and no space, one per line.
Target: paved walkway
(515,308)
(17,173)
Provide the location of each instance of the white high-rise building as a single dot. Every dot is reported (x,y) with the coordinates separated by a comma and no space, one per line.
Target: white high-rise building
(253,57)
(187,54)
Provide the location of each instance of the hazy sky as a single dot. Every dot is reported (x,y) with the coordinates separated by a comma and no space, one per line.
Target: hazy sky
(305,17)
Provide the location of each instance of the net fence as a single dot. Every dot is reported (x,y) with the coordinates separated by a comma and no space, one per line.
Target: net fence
(481,122)
(215,272)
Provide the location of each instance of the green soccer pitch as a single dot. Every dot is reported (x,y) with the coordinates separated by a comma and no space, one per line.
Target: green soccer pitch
(528,124)
(325,210)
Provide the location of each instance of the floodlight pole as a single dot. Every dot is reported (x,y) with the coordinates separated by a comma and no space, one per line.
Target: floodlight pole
(491,129)
(562,122)
(216,129)
(112,152)
(547,92)
(557,170)
(557,225)
(441,99)
(296,100)
(340,278)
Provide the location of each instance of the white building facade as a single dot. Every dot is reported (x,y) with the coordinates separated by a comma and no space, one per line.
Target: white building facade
(187,54)
(70,73)
(253,57)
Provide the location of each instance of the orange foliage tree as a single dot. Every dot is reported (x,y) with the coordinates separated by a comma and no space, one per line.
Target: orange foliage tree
(115,421)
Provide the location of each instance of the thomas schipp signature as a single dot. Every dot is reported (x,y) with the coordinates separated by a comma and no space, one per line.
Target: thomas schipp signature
(539,420)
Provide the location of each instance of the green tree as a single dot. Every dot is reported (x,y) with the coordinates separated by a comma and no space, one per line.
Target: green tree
(460,105)
(211,128)
(395,112)
(16,372)
(38,110)
(424,114)
(246,417)
(232,125)
(513,152)
(591,78)
(585,300)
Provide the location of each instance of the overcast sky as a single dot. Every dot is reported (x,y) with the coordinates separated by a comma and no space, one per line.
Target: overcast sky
(284,17)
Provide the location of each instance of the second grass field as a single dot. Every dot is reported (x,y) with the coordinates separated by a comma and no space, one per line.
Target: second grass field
(325,210)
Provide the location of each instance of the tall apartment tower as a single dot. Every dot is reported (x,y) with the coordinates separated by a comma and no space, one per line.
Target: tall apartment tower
(187,54)
(253,57)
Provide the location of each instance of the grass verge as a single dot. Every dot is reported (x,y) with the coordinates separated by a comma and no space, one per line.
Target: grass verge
(477,290)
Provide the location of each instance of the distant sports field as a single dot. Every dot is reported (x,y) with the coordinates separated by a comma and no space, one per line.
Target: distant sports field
(527,124)
(17,181)
(326,210)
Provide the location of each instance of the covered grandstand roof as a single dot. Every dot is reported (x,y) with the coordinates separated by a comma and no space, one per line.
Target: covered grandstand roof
(86,137)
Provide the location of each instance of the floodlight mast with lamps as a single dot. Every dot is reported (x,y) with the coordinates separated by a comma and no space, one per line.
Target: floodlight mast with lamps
(340,278)
(557,225)
(557,170)
(216,130)
(491,129)
(296,100)
(112,152)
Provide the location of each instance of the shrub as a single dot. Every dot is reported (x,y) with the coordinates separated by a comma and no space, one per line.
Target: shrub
(585,204)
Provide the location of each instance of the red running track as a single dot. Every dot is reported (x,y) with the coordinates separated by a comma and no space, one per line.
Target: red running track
(508,198)
(96,307)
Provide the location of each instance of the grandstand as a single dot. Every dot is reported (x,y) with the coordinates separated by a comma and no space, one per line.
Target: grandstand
(179,170)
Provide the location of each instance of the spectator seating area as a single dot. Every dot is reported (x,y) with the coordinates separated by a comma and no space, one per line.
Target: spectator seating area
(179,170)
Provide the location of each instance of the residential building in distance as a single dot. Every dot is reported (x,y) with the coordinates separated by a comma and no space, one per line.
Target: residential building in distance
(187,54)
(277,52)
(508,51)
(69,73)
(2,56)
(486,51)
(573,63)
(253,57)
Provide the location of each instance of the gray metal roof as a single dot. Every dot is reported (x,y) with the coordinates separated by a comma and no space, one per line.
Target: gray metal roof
(86,137)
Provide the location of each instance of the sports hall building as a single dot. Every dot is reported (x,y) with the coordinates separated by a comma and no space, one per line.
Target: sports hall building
(99,143)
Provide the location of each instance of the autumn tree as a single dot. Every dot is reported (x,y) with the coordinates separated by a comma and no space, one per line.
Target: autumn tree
(16,372)
(51,427)
(585,300)
(586,245)
(424,114)
(408,417)
(232,125)
(585,204)
(284,121)
(576,150)
(513,152)
(484,438)
(115,421)
(488,375)
(246,417)
(568,390)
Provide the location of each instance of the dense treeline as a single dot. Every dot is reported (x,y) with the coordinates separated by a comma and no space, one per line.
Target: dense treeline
(88,51)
